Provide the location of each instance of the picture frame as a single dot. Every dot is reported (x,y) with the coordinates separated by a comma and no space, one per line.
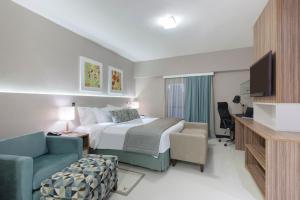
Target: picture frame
(91,75)
(115,80)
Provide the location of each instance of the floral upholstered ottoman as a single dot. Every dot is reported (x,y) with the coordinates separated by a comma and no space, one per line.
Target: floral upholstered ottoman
(91,178)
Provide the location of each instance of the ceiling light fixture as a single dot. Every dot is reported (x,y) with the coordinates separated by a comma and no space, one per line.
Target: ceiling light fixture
(168,22)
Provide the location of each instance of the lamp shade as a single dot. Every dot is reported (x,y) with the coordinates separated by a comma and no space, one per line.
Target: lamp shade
(67,113)
(237,99)
(134,104)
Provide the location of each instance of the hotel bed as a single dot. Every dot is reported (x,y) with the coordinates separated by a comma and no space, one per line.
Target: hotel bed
(109,138)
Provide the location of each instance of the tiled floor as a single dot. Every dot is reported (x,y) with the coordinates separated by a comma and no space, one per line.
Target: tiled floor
(224,178)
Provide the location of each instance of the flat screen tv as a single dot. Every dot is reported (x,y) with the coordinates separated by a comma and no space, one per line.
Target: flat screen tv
(261,77)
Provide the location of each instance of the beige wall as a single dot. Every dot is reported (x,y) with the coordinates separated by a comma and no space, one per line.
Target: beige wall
(235,59)
(230,67)
(38,55)
(151,95)
(27,113)
(226,86)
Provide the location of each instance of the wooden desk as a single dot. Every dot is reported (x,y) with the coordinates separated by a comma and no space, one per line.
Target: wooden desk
(272,158)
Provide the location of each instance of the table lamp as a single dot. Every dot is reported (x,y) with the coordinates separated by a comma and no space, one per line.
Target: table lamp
(67,114)
(134,104)
(237,100)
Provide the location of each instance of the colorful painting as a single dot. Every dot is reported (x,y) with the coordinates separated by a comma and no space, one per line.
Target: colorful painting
(91,74)
(115,80)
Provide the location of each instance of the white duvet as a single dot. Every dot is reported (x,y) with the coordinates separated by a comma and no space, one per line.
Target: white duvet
(112,135)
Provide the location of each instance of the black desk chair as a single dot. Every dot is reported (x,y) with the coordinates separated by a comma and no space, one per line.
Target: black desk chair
(226,123)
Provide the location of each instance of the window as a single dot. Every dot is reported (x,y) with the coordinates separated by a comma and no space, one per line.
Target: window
(175,95)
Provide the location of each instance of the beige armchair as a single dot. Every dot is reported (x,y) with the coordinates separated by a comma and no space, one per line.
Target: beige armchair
(191,144)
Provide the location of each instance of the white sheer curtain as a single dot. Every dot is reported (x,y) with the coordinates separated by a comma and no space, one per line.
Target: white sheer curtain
(175,101)
(175,95)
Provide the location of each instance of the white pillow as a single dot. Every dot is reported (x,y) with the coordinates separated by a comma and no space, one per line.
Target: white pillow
(102,115)
(86,116)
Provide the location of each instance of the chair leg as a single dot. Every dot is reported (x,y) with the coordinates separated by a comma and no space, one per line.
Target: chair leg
(201,167)
(173,162)
(230,141)
(115,188)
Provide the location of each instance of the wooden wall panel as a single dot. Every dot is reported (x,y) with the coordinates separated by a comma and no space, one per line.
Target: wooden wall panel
(288,54)
(278,29)
(265,31)
(265,38)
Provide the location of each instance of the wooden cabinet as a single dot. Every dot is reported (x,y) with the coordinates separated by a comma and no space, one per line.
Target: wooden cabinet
(239,138)
(272,158)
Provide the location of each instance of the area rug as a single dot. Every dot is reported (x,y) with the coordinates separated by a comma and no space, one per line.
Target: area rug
(128,180)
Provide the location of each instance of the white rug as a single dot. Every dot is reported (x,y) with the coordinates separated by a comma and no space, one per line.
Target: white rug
(128,180)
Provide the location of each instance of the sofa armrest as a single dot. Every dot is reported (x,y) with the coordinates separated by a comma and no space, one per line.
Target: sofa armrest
(60,145)
(16,177)
(196,125)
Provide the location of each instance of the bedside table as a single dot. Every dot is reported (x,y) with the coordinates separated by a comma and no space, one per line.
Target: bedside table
(85,139)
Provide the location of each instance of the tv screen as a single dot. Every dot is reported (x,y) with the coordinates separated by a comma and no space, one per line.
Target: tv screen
(261,77)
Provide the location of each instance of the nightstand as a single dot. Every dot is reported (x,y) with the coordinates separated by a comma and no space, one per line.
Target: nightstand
(85,139)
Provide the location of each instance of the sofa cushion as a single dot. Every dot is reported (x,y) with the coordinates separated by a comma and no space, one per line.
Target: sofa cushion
(32,145)
(199,132)
(133,114)
(48,164)
(120,116)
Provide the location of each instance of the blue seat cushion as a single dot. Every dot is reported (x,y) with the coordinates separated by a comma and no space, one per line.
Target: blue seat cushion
(32,145)
(48,164)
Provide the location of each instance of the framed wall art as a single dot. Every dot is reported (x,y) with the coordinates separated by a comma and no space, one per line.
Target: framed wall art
(115,80)
(91,75)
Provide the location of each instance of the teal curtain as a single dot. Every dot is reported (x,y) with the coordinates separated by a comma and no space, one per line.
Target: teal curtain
(198,99)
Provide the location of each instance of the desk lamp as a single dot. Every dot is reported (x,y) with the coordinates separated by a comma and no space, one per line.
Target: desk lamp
(237,100)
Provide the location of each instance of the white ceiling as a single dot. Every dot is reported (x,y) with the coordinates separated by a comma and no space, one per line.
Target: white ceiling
(129,27)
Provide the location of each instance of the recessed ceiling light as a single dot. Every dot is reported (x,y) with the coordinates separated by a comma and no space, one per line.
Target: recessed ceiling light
(168,22)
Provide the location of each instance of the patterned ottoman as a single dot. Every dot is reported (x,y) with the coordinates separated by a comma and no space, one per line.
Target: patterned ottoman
(91,178)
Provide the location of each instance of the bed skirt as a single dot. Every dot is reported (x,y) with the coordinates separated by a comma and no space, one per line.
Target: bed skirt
(161,163)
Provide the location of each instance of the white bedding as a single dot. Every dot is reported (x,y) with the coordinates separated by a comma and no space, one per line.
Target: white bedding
(111,135)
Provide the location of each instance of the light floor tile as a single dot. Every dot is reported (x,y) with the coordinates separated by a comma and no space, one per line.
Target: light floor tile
(225,178)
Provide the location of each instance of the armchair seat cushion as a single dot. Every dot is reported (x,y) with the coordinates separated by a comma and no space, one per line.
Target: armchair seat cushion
(198,132)
(48,164)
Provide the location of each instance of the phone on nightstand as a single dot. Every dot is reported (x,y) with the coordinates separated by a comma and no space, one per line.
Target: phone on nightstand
(54,134)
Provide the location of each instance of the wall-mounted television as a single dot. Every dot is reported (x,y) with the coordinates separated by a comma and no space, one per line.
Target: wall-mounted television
(261,77)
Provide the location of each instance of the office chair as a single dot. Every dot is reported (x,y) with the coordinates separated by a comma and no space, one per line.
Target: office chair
(226,123)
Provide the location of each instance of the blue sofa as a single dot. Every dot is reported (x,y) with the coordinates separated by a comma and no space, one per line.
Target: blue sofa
(27,160)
